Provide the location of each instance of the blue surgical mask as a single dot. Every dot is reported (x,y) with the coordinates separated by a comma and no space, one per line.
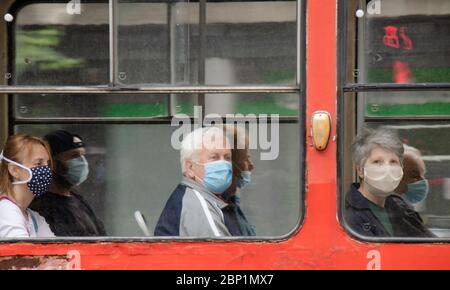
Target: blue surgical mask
(39,180)
(218,176)
(77,170)
(245,178)
(417,191)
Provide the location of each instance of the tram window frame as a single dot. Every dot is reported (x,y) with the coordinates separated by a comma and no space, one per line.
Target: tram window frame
(349,120)
(115,87)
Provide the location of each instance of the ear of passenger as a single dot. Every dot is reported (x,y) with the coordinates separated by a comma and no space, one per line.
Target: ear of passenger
(18,173)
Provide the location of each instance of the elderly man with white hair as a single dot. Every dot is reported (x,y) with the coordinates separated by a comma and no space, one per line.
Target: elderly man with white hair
(194,209)
(413,187)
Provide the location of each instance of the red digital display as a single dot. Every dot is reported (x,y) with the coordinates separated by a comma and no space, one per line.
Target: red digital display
(397,38)
(392,38)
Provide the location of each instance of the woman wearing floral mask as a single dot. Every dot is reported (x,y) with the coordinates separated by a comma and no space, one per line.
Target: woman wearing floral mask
(378,157)
(24,174)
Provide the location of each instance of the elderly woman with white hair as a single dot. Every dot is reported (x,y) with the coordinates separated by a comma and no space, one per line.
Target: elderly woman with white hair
(378,157)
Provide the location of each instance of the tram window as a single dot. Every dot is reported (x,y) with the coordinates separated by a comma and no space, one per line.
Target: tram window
(158,50)
(53,47)
(127,175)
(398,42)
(402,41)
(158,43)
(245,42)
(133,166)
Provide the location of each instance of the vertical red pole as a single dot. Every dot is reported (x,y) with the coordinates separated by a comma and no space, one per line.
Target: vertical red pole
(321,202)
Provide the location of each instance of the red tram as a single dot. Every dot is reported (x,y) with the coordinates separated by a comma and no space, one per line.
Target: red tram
(118,71)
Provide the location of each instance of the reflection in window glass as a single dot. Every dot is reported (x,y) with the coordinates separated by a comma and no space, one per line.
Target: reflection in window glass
(126,175)
(138,106)
(53,47)
(407,104)
(405,41)
(268,103)
(114,105)
(245,43)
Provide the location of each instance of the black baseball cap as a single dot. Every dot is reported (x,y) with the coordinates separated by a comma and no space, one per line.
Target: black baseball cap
(61,141)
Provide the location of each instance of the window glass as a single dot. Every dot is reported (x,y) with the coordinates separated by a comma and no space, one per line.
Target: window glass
(407,104)
(143,105)
(245,42)
(126,175)
(54,47)
(256,103)
(403,41)
(134,164)
(85,105)
(400,168)
(262,53)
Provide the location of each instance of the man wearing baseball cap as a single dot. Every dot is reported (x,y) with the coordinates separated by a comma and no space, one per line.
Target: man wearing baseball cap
(67,213)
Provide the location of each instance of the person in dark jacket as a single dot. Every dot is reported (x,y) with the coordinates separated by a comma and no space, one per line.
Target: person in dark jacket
(238,223)
(370,208)
(67,213)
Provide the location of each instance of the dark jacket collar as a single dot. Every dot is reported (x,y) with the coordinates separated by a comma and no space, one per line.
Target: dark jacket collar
(355,199)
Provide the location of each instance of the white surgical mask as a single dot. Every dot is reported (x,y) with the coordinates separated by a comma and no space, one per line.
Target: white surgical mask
(381,180)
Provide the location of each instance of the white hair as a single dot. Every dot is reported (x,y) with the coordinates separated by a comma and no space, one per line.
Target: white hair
(198,139)
(412,151)
(415,154)
(367,139)
(237,135)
